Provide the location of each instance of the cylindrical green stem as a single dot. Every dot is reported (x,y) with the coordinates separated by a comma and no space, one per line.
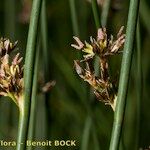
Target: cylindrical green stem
(44,38)
(74,17)
(31,130)
(96,14)
(105,12)
(139,83)
(46,62)
(28,74)
(124,76)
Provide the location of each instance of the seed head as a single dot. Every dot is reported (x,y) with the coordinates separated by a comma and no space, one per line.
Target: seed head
(11,78)
(103,47)
(6,46)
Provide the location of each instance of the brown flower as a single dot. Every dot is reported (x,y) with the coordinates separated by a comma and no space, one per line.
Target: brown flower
(103,89)
(103,47)
(48,86)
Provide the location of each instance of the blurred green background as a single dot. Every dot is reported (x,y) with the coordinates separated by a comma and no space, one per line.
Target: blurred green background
(70,110)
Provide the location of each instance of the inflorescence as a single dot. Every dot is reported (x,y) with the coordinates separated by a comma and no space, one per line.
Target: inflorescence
(11,73)
(103,47)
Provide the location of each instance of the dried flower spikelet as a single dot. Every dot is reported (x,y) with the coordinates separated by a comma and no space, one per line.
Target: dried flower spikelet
(118,43)
(86,48)
(6,46)
(102,38)
(11,79)
(48,86)
(79,45)
(103,47)
(85,74)
(102,89)
(109,46)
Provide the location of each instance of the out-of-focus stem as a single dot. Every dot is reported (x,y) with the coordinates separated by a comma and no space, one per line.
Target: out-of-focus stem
(105,12)
(44,35)
(74,17)
(139,83)
(46,62)
(86,133)
(96,13)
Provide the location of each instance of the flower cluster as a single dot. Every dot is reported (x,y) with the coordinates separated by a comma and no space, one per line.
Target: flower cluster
(11,74)
(6,46)
(103,47)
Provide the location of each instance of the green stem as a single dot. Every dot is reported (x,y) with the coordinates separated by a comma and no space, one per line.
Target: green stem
(28,74)
(96,14)
(44,33)
(139,83)
(74,17)
(46,59)
(86,133)
(124,76)
(95,137)
(31,130)
(105,12)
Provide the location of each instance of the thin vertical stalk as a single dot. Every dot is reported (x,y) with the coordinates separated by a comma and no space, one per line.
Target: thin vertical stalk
(95,138)
(86,133)
(46,59)
(28,74)
(74,17)
(139,83)
(105,12)
(44,35)
(124,76)
(31,130)
(96,14)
